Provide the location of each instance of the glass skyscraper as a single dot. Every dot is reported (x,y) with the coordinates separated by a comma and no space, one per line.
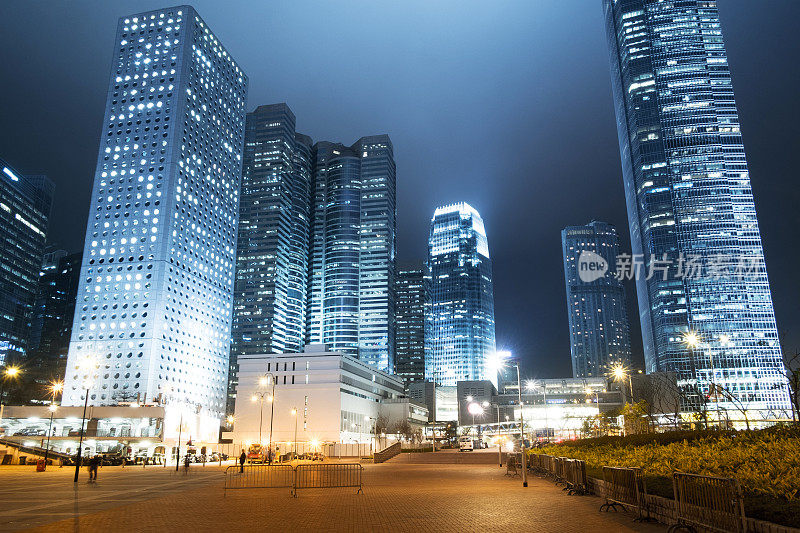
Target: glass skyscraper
(351,303)
(25,204)
(459,325)
(690,203)
(269,314)
(52,317)
(411,293)
(153,315)
(598,321)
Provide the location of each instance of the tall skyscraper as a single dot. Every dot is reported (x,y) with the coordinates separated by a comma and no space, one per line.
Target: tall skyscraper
(411,293)
(25,204)
(53,313)
(598,321)
(153,316)
(459,327)
(351,302)
(690,203)
(269,313)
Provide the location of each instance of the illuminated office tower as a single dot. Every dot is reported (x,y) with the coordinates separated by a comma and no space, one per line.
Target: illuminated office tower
(411,291)
(459,325)
(25,204)
(153,316)
(351,288)
(689,198)
(598,321)
(269,312)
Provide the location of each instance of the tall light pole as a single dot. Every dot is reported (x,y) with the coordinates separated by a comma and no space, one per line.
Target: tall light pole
(522,431)
(178,453)
(259,397)
(692,340)
(270,379)
(532,386)
(55,388)
(87,365)
(294,414)
(10,372)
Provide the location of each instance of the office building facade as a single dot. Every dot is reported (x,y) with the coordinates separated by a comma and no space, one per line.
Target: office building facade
(459,327)
(25,205)
(351,303)
(690,203)
(598,321)
(153,314)
(54,310)
(411,293)
(269,314)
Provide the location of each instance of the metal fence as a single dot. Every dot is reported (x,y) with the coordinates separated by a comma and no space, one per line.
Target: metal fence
(513,464)
(304,476)
(259,476)
(575,474)
(328,476)
(712,503)
(625,487)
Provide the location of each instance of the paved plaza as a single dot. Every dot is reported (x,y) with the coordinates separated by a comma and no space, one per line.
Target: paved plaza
(397,497)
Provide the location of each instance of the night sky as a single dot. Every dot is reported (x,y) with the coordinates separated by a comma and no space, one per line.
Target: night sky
(505,105)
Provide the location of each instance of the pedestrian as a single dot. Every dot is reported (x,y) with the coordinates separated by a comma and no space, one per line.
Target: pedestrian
(242,461)
(94,464)
(269,455)
(186,461)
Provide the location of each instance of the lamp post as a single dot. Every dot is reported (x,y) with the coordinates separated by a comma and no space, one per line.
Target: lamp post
(54,389)
(270,378)
(259,397)
(522,431)
(692,340)
(10,372)
(369,428)
(294,414)
(80,442)
(178,452)
(87,365)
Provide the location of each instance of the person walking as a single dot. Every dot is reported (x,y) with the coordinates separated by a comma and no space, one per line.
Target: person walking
(186,461)
(94,465)
(269,455)
(242,461)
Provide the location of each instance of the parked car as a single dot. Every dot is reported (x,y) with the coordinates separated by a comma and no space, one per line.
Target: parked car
(466,444)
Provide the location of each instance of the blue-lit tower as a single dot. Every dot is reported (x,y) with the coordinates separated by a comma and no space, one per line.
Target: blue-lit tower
(459,325)
(690,202)
(153,316)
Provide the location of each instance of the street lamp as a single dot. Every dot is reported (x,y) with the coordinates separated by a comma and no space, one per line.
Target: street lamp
(11,372)
(294,414)
(55,388)
(369,428)
(87,365)
(500,361)
(532,386)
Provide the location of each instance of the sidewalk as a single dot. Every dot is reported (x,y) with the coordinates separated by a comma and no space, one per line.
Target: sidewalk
(397,497)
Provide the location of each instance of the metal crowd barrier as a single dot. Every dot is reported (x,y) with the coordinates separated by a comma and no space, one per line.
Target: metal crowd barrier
(299,477)
(513,462)
(625,487)
(328,476)
(559,470)
(577,482)
(711,503)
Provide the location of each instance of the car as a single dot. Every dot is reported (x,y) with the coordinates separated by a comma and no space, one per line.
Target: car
(466,444)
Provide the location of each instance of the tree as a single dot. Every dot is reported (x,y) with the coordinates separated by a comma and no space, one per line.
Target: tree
(792,367)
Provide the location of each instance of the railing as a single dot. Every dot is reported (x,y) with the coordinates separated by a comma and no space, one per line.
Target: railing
(513,463)
(625,487)
(575,475)
(712,503)
(386,454)
(328,476)
(258,476)
(299,477)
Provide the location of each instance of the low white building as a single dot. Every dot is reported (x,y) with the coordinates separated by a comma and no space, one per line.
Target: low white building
(317,395)
(145,430)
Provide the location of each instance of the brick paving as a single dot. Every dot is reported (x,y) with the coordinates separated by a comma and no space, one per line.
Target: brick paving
(397,497)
